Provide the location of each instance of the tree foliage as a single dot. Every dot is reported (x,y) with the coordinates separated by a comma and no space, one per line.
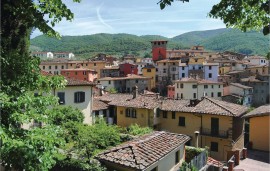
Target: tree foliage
(244,15)
(135,129)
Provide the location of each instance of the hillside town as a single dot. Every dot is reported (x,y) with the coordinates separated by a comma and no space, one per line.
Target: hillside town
(190,97)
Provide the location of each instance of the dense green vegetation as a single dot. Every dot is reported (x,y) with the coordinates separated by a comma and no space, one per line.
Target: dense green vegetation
(120,44)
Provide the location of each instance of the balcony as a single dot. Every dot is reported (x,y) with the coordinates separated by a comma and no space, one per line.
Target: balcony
(214,133)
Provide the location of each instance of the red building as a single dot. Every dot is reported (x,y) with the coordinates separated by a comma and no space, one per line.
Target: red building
(159,48)
(127,68)
(171,91)
(80,73)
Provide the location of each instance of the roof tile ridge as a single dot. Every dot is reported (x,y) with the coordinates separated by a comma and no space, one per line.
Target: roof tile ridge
(220,106)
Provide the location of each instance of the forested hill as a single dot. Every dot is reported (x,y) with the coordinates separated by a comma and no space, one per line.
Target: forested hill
(120,44)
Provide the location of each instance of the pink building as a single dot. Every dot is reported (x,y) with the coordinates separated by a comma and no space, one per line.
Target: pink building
(80,73)
(171,91)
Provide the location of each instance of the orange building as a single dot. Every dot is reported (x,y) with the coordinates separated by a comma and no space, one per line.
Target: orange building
(159,49)
(80,73)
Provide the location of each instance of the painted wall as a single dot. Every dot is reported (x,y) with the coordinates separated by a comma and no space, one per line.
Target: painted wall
(259,132)
(84,75)
(213,69)
(159,50)
(150,73)
(86,106)
(224,69)
(171,92)
(53,68)
(127,68)
(183,72)
(142,117)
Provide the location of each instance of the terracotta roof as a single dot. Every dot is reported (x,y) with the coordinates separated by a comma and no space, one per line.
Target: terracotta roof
(78,69)
(168,61)
(205,106)
(260,111)
(76,82)
(199,81)
(145,101)
(115,97)
(232,98)
(128,77)
(240,86)
(99,105)
(251,79)
(213,162)
(256,57)
(141,153)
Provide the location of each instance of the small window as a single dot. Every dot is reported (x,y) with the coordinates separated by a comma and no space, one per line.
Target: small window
(164,114)
(84,72)
(62,67)
(61,96)
(183,68)
(177,157)
(148,70)
(205,86)
(158,113)
(214,146)
(194,86)
(55,67)
(109,81)
(183,75)
(137,81)
(95,64)
(133,113)
(164,64)
(182,121)
(194,95)
(219,94)
(210,67)
(164,70)
(182,96)
(212,86)
(212,94)
(70,64)
(43,67)
(210,75)
(79,97)
(50,67)
(76,73)
(173,115)
(128,113)
(181,85)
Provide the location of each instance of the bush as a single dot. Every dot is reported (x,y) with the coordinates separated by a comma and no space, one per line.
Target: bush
(191,152)
(135,129)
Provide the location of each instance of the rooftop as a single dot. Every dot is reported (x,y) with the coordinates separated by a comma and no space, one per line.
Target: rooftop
(240,86)
(128,77)
(199,81)
(260,111)
(99,105)
(144,151)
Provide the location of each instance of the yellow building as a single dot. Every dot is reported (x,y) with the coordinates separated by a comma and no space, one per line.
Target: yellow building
(259,69)
(224,69)
(94,65)
(150,72)
(218,123)
(150,152)
(259,122)
(196,60)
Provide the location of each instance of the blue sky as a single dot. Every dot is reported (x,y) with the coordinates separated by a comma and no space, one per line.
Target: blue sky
(139,17)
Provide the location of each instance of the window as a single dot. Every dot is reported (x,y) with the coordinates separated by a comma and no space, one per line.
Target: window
(205,86)
(182,85)
(212,94)
(182,121)
(70,64)
(133,113)
(210,67)
(127,112)
(219,94)
(155,169)
(183,75)
(84,72)
(43,67)
(95,64)
(50,67)
(109,81)
(210,75)
(158,113)
(218,86)
(164,64)
(173,69)
(183,68)
(176,157)
(182,96)
(137,81)
(148,70)
(61,96)
(173,115)
(79,97)
(164,114)
(55,67)
(194,95)
(76,73)
(212,86)
(194,86)
(214,146)
(164,70)
(62,67)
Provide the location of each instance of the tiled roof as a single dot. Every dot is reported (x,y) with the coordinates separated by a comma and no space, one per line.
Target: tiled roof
(260,111)
(99,105)
(199,81)
(146,101)
(240,86)
(232,98)
(168,61)
(205,106)
(128,77)
(115,97)
(251,79)
(141,153)
(76,82)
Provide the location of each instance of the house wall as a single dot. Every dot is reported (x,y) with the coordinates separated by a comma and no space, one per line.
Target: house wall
(188,90)
(142,84)
(183,71)
(142,117)
(78,74)
(140,66)
(151,75)
(86,106)
(214,71)
(259,132)
(127,68)
(94,65)
(55,67)
(224,69)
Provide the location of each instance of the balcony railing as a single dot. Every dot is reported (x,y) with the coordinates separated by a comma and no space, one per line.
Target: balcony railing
(214,133)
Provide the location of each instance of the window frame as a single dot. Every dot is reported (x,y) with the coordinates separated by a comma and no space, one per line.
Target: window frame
(61,96)
(79,97)
(182,121)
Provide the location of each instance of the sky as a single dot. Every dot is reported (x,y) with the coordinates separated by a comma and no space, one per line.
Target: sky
(139,17)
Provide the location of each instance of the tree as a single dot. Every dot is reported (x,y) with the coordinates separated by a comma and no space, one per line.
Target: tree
(268,56)
(28,149)
(244,15)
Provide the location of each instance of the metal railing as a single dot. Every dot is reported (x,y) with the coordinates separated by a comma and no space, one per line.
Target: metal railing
(214,133)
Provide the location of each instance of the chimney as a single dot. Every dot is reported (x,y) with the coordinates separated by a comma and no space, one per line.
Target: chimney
(196,138)
(135,92)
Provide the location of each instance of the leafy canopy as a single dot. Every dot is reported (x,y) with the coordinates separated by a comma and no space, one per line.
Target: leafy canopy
(242,14)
